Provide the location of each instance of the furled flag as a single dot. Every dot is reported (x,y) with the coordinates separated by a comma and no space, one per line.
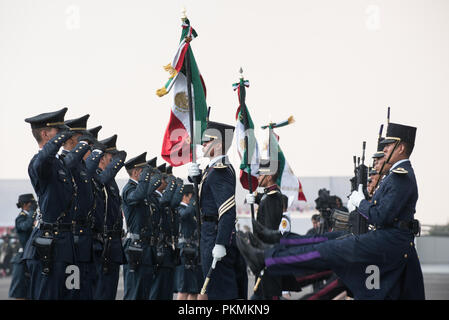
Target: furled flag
(248,150)
(176,146)
(287,181)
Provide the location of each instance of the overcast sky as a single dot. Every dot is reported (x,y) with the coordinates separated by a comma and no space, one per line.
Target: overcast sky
(334,65)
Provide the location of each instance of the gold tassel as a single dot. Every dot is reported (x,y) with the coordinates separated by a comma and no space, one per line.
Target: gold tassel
(161,92)
(290,120)
(170,70)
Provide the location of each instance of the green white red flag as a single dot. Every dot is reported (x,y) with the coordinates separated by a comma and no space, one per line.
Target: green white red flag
(287,181)
(248,153)
(176,144)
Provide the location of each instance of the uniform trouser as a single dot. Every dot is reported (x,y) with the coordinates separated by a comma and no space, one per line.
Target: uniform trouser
(137,284)
(188,280)
(106,284)
(20,279)
(88,274)
(51,286)
(389,251)
(163,284)
(229,278)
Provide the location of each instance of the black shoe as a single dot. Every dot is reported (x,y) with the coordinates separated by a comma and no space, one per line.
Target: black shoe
(265,234)
(255,258)
(257,243)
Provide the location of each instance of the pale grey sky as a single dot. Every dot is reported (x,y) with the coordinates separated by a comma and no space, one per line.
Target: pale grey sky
(334,65)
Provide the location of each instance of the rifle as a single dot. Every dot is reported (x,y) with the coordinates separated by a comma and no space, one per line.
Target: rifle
(358,224)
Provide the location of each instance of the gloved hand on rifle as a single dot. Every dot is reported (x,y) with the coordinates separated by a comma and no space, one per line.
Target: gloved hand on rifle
(356,197)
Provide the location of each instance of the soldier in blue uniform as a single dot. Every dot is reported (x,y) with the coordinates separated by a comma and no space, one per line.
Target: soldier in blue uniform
(165,259)
(50,249)
(380,264)
(188,275)
(378,163)
(139,211)
(85,206)
(217,206)
(20,281)
(269,214)
(107,218)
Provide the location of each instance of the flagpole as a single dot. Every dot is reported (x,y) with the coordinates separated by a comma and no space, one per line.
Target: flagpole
(192,144)
(242,97)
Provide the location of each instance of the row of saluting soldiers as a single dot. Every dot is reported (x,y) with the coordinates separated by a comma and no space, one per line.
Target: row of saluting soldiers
(73,239)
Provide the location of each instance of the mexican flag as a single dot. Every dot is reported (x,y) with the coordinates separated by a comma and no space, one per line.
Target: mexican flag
(247,168)
(287,181)
(177,139)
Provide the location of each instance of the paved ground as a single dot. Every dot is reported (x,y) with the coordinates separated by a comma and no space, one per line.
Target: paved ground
(436,281)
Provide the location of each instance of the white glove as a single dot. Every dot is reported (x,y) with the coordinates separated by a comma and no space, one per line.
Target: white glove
(250,198)
(218,252)
(194,169)
(356,197)
(351,207)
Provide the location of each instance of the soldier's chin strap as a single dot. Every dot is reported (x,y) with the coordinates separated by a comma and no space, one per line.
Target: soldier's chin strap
(262,181)
(387,162)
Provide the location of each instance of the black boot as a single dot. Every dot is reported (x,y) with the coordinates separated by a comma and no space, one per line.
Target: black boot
(265,234)
(255,258)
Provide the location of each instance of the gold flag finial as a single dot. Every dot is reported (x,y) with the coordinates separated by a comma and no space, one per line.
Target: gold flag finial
(184,16)
(241,73)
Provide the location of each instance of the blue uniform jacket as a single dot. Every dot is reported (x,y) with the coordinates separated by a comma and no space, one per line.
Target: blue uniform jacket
(56,190)
(217,198)
(24,226)
(85,201)
(140,211)
(165,226)
(108,215)
(389,248)
(188,223)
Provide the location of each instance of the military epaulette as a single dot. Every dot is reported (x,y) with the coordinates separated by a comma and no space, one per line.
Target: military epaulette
(23,213)
(400,171)
(273,192)
(220,166)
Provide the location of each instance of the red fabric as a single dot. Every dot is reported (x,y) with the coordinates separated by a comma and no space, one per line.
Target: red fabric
(314,276)
(244,180)
(301,195)
(325,290)
(181,58)
(176,152)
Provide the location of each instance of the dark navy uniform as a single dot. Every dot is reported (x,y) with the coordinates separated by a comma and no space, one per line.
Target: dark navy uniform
(269,214)
(139,214)
(390,247)
(163,284)
(108,222)
(217,204)
(20,281)
(188,275)
(56,191)
(85,206)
